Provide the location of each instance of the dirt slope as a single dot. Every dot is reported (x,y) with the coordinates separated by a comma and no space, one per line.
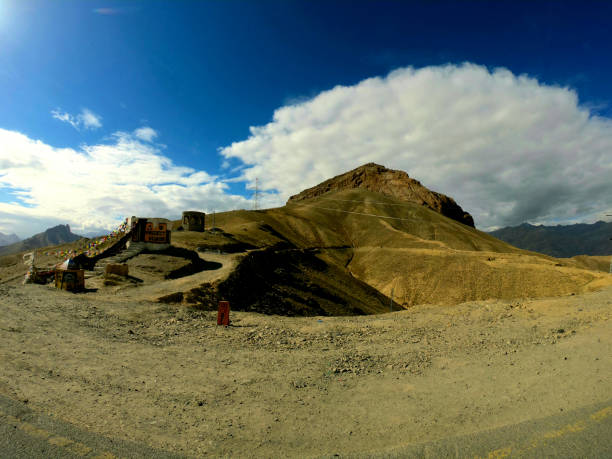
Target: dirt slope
(276,275)
(416,253)
(597,263)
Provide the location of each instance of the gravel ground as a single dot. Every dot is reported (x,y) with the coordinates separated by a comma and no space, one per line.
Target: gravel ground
(168,377)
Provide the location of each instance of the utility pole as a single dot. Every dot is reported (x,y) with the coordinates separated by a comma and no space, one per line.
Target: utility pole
(256,206)
(610,215)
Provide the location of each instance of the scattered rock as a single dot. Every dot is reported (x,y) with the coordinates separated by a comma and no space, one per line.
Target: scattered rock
(299,383)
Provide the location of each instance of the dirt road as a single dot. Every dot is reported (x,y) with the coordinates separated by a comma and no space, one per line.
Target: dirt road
(169,378)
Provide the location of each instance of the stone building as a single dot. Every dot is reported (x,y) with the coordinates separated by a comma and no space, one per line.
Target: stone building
(193,220)
(153,233)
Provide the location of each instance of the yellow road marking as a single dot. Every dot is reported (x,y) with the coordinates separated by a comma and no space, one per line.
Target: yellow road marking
(500,453)
(105,456)
(553,434)
(79,448)
(60,441)
(570,428)
(34,431)
(63,442)
(602,414)
(83,450)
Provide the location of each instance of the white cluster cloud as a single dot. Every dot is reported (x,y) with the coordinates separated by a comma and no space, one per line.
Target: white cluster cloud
(508,148)
(86,119)
(146,133)
(96,186)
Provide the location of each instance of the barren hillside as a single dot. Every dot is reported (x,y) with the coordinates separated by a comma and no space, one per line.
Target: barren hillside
(410,250)
(343,251)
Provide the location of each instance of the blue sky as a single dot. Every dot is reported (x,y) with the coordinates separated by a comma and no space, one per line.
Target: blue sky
(174,87)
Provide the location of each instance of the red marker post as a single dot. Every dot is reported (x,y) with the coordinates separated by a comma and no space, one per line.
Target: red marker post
(223,314)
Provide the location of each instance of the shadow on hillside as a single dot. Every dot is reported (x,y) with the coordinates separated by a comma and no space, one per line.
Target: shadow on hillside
(195,266)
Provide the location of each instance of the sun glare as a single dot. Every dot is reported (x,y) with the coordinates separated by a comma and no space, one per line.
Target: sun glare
(5,10)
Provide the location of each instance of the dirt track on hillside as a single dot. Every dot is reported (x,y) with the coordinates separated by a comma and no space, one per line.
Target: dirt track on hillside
(270,386)
(153,288)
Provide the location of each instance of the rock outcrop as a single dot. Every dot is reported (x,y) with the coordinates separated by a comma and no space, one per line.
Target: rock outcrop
(398,184)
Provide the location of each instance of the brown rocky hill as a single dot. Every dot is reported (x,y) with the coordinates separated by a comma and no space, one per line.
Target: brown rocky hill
(400,249)
(345,252)
(393,183)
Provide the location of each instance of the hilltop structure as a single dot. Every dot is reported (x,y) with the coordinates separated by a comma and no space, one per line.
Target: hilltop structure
(194,220)
(152,233)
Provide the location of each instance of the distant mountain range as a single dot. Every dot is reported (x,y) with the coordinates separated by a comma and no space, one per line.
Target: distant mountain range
(59,234)
(7,239)
(560,241)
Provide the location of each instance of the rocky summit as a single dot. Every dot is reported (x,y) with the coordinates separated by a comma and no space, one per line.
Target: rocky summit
(394,183)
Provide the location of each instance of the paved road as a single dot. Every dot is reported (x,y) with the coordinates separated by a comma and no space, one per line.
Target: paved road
(584,432)
(25,433)
(580,433)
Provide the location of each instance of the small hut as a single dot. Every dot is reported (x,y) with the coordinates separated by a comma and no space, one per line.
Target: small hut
(193,220)
(69,277)
(154,233)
